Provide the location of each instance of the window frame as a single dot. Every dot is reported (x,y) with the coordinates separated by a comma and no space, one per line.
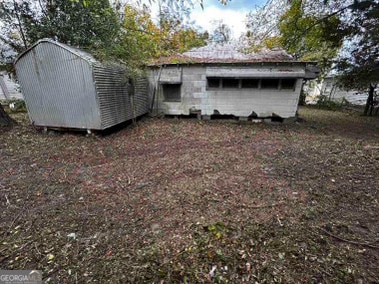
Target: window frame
(259,85)
(172,85)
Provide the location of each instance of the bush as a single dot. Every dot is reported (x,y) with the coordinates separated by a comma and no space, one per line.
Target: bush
(324,102)
(16,105)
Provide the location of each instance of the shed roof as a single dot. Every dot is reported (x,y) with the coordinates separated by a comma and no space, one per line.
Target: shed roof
(226,53)
(80,53)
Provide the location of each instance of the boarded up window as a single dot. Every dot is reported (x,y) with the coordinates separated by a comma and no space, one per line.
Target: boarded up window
(270,83)
(250,83)
(171,92)
(288,84)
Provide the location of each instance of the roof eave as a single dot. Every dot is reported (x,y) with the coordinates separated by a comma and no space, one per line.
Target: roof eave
(64,46)
(288,62)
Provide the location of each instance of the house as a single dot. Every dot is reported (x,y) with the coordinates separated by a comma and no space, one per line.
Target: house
(9,89)
(220,80)
(330,88)
(65,87)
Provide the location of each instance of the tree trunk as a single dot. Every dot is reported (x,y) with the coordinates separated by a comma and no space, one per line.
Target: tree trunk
(370,101)
(5,119)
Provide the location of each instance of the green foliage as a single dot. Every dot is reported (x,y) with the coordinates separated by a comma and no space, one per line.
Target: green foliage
(16,105)
(324,102)
(91,25)
(141,39)
(5,119)
(88,24)
(310,37)
(218,230)
(123,33)
(360,65)
(175,36)
(349,29)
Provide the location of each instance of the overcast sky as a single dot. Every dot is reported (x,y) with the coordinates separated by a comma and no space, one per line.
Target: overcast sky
(233,14)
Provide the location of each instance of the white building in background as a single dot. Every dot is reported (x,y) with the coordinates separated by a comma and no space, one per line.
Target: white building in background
(9,89)
(330,88)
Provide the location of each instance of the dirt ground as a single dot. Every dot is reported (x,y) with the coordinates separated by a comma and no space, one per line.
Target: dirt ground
(185,201)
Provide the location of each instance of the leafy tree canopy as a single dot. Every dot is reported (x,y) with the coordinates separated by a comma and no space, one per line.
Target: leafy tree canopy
(88,24)
(359,60)
(310,36)
(320,30)
(222,33)
(121,31)
(141,39)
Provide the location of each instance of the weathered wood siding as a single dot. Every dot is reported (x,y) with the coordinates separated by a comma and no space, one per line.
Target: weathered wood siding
(196,96)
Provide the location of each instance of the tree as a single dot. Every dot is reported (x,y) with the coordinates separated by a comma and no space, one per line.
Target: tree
(141,39)
(221,33)
(13,33)
(360,68)
(319,30)
(91,25)
(138,37)
(176,35)
(310,36)
(263,25)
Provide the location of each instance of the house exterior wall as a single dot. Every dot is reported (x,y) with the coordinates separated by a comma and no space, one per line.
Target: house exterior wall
(8,88)
(329,88)
(241,102)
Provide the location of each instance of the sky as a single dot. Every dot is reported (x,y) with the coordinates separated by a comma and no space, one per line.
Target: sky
(233,14)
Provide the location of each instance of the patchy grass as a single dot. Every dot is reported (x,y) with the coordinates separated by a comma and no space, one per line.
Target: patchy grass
(182,201)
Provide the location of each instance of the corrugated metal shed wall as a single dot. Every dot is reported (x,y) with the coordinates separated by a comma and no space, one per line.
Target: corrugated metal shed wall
(112,93)
(58,88)
(65,87)
(120,98)
(141,100)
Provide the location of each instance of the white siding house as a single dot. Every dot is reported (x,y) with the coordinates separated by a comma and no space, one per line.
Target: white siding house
(9,89)
(330,88)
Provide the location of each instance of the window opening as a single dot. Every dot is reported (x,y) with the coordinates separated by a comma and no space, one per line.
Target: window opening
(230,83)
(270,83)
(171,92)
(250,83)
(288,84)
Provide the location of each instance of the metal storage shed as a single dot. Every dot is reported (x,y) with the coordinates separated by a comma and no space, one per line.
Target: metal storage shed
(65,87)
